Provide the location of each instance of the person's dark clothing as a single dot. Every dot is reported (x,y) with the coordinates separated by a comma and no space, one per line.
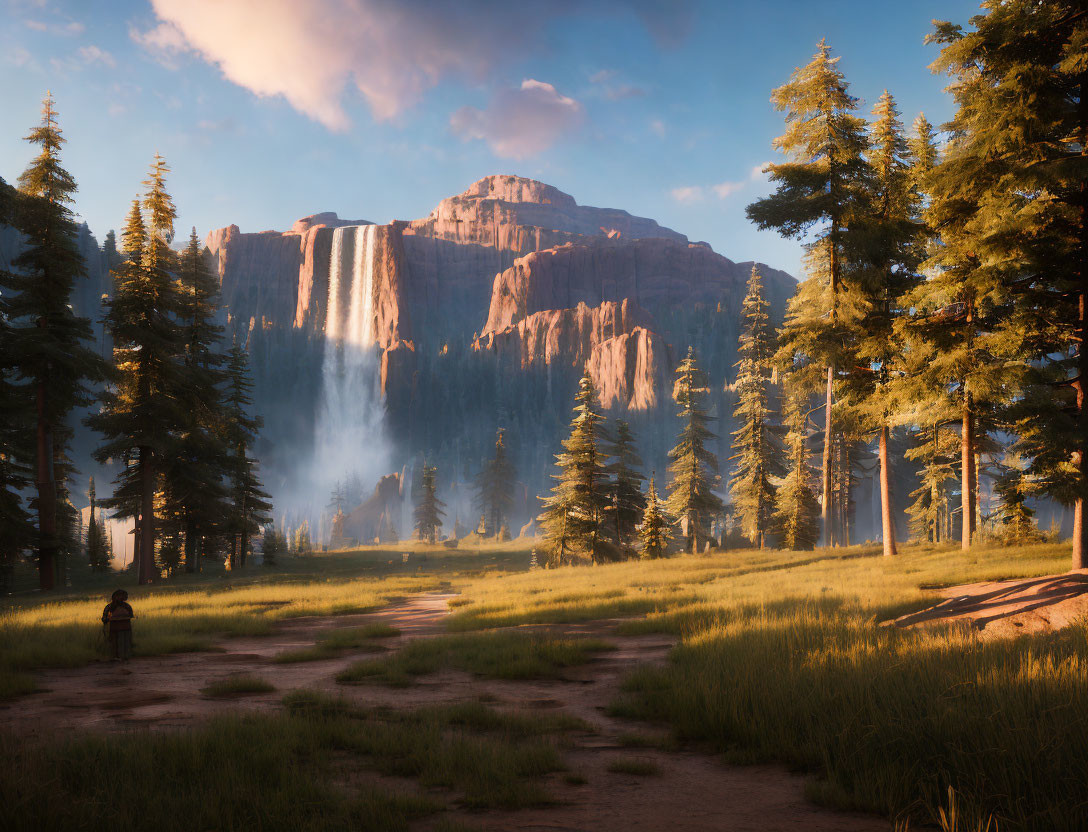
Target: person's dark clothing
(119,615)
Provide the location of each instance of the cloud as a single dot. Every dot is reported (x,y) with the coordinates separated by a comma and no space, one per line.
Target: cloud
(391,51)
(93,55)
(614,92)
(688,193)
(658,127)
(520,122)
(723,190)
(70,27)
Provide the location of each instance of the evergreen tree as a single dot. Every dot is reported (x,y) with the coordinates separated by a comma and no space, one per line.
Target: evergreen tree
(273,546)
(755,442)
(892,257)
(693,467)
(822,198)
(797,511)
(428,513)
(573,516)
(936,451)
(336,500)
(16,449)
(495,486)
(303,546)
(47,342)
(250,506)
(97,556)
(1016,178)
(196,498)
(1016,520)
(654,533)
(626,502)
(143,411)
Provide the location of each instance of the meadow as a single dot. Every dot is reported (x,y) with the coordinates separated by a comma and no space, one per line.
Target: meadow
(782,656)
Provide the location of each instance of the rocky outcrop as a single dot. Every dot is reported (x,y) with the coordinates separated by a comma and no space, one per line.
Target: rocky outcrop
(653,273)
(377,518)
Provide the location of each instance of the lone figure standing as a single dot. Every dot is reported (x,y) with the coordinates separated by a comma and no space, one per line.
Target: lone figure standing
(118,617)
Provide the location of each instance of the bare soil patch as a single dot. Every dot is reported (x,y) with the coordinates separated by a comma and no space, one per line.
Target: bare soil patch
(688,791)
(1010,608)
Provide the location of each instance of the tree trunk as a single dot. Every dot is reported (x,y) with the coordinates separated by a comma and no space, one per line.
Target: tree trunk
(887,520)
(967,474)
(47,497)
(825,509)
(190,543)
(1080,527)
(145,569)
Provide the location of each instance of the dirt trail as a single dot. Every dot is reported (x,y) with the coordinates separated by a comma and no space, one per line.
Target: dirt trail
(692,792)
(1010,608)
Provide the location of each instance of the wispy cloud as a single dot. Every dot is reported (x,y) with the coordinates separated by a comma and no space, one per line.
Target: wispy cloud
(66,27)
(520,122)
(391,51)
(94,55)
(723,190)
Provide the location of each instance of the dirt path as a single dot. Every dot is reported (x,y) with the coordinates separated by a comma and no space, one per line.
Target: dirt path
(1010,608)
(691,792)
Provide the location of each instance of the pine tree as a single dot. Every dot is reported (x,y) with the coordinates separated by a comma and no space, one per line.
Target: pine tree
(16,449)
(273,546)
(626,502)
(1016,178)
(655,532)
(196,498)
(495,486)
(48,344)
(303,546)
(143,412)
(428,513)
(1016,520)
(97,556)
(936,451)
(573,515)
(693,467)
(755,442)
(250,506)
(823,198)
(892,258)
(797,511)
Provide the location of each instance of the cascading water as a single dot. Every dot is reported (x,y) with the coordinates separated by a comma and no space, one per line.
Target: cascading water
(349,420)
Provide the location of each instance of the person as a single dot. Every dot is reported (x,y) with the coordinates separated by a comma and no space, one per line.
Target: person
(117,616)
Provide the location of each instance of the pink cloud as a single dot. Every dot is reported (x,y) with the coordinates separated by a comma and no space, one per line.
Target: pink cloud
(391,51)
(520,122)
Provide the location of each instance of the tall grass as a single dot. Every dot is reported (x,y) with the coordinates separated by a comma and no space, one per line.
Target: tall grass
(782,658)
(304,769)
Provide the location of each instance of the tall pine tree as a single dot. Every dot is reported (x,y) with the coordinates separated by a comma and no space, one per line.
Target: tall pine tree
(195,496)
(48,344)
(822,198)
(428,512)
(797,511)
(250,506)
(143,412)
(97,555)
(495,485)
(626,502)
(693,466)
(757,447)
(1017,173)
(573,515)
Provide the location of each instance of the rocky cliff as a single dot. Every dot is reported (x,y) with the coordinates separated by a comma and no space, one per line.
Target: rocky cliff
(484,313)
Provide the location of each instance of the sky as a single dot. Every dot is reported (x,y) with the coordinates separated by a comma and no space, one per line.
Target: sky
(270,110)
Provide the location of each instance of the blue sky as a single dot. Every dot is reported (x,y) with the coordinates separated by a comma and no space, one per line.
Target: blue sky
(268,110)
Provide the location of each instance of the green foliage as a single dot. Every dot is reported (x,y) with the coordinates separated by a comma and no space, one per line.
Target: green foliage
(626,501)
(693,466)
(1015,518)
(755,442)
(937,451)
(655,531)
(573,515)
(273,545)
(797,510)
(194,497)
(495,487)
(250,506)
(428,512)
(45,343)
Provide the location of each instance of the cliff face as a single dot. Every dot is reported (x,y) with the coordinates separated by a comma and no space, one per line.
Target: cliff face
(486,311)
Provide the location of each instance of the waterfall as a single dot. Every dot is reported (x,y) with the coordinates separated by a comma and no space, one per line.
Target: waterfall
(348,429)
